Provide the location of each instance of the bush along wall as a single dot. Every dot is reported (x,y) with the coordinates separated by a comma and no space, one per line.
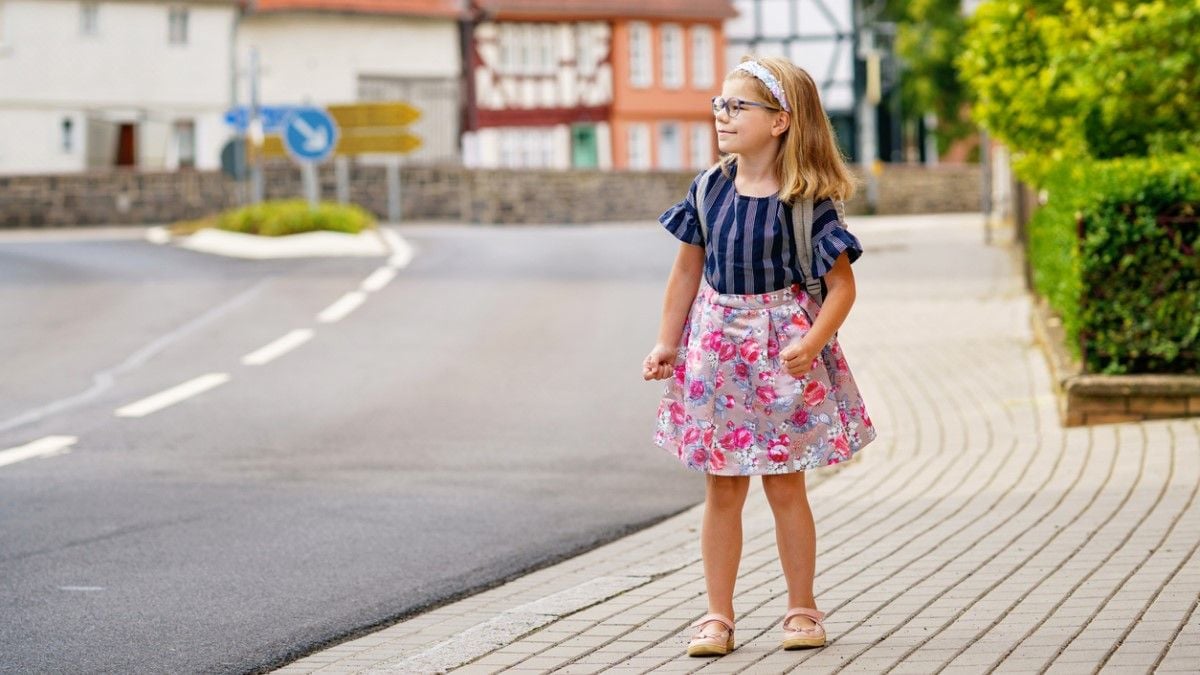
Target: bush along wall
(1116,252)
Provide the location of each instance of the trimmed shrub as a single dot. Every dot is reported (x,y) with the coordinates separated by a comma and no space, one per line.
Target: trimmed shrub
(1115,252)
(291,216)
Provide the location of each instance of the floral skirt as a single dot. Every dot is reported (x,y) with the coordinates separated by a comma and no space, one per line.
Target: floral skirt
(732,409)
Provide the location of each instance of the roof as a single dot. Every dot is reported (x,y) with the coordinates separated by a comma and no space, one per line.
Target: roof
(428,8)
(608,9)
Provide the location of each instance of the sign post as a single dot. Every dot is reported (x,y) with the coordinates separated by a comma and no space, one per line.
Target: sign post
(310,135)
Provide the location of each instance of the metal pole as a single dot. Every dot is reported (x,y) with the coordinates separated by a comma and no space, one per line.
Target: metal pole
(985,190)
(393,191)
(256,131)
(239,158)
(311,189)
(341,165)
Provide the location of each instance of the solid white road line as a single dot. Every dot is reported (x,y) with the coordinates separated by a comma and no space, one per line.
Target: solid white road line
(379,278)
(402,251)
(173,395)
(278,348)
(344,305)
(43,447)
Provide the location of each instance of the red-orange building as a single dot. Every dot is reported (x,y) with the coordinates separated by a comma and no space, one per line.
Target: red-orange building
(593,83)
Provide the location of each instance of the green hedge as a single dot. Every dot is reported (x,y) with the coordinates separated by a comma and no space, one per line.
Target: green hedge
(1116,252)
(291,216)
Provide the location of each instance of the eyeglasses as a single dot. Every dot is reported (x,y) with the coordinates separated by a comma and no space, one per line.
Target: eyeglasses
(734,106)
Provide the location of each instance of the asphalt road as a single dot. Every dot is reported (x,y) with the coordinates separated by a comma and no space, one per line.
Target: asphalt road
(479,416)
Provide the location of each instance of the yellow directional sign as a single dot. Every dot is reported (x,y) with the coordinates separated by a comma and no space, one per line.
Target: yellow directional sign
(385,114)
(364,127)
(355,143)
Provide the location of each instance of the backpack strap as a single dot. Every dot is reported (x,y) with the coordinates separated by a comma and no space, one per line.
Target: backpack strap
(701,191)
(802,233)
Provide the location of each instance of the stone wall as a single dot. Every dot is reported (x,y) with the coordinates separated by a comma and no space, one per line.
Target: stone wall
(447,193)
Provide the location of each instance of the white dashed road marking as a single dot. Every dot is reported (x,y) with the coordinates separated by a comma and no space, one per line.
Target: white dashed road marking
(278,348)
(343,306)
(43,447)
(379,278)
(173,395)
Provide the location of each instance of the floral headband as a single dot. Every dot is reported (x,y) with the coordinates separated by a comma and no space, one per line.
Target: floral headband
(760,71)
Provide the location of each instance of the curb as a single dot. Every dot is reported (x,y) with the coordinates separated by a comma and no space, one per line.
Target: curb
(372,242)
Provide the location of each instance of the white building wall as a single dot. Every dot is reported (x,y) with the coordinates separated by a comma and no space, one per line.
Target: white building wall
(127,71)
(814,36)
(324,58)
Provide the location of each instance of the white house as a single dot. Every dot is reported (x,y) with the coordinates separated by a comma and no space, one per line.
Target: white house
(91,85)
(341,51)
(817,35)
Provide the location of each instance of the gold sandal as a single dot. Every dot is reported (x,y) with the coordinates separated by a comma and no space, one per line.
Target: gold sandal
(710,643)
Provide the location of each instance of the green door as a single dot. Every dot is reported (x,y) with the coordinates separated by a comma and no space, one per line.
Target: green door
(583,146)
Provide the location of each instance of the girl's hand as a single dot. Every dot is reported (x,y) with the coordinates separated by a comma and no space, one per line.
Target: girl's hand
(660,364)
(799,357)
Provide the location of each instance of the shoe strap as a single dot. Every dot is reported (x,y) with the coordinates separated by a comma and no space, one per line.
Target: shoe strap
(713,617)
(815,614)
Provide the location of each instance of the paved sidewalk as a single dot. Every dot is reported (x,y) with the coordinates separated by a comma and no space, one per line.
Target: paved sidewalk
(976,535)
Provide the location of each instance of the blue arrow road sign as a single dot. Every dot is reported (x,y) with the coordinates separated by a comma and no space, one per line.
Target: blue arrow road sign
(273,117)
(309,134)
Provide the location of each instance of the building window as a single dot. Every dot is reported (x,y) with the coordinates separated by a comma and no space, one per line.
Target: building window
(586,52)
(701,145)
(68,135)
(185,143)
(89,18)
(703,55)
(672,56)
(640,71)
(670,146)
(546,49)
(177,25)
(638,138)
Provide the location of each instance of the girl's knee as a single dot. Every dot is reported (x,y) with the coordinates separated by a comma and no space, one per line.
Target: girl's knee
(727,490)
(784,488)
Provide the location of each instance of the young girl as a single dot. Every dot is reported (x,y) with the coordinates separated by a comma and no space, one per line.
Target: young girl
(758,384)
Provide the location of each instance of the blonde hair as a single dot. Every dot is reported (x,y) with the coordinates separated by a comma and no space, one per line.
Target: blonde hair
(809,164)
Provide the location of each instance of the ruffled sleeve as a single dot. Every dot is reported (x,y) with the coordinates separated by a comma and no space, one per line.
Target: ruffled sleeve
(830,238)
(682,220)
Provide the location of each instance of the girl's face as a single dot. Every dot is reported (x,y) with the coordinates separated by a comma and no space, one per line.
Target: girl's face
(750,130)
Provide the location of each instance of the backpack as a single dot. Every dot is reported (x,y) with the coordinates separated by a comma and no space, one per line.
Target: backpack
(801,231)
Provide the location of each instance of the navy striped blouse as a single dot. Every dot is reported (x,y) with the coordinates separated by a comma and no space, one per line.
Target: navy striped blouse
(753,250)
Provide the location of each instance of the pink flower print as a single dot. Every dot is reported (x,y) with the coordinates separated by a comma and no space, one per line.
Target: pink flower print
(696,389)
(750,351)
(800,321)
(766,395)
(677,413)
(742,370)
(866,418)
(728,350)
(728,401)
(719,380)
(727,441)
(742,438)
(711,340)
(814,392)
(800,417)
(844,416)
(691,435)
(842,446)
(777,451)
(680,372)
(841,364)
(716,460)
(772,348)
(695,357)
(659,436)
(699,455)
(708,435)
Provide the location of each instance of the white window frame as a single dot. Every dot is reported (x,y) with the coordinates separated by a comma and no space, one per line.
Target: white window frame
(700,144)
(177,25)
(704,55)
(89,18)
(177,129)
(67,135)
(641,70)
(637,146)
(671,40)
(673,161)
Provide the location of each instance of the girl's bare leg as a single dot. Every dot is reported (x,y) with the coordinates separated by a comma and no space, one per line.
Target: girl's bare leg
(721,538)
(796,537)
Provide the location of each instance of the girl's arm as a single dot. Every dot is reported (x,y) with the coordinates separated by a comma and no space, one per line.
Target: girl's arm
(682,285)
(839,297)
